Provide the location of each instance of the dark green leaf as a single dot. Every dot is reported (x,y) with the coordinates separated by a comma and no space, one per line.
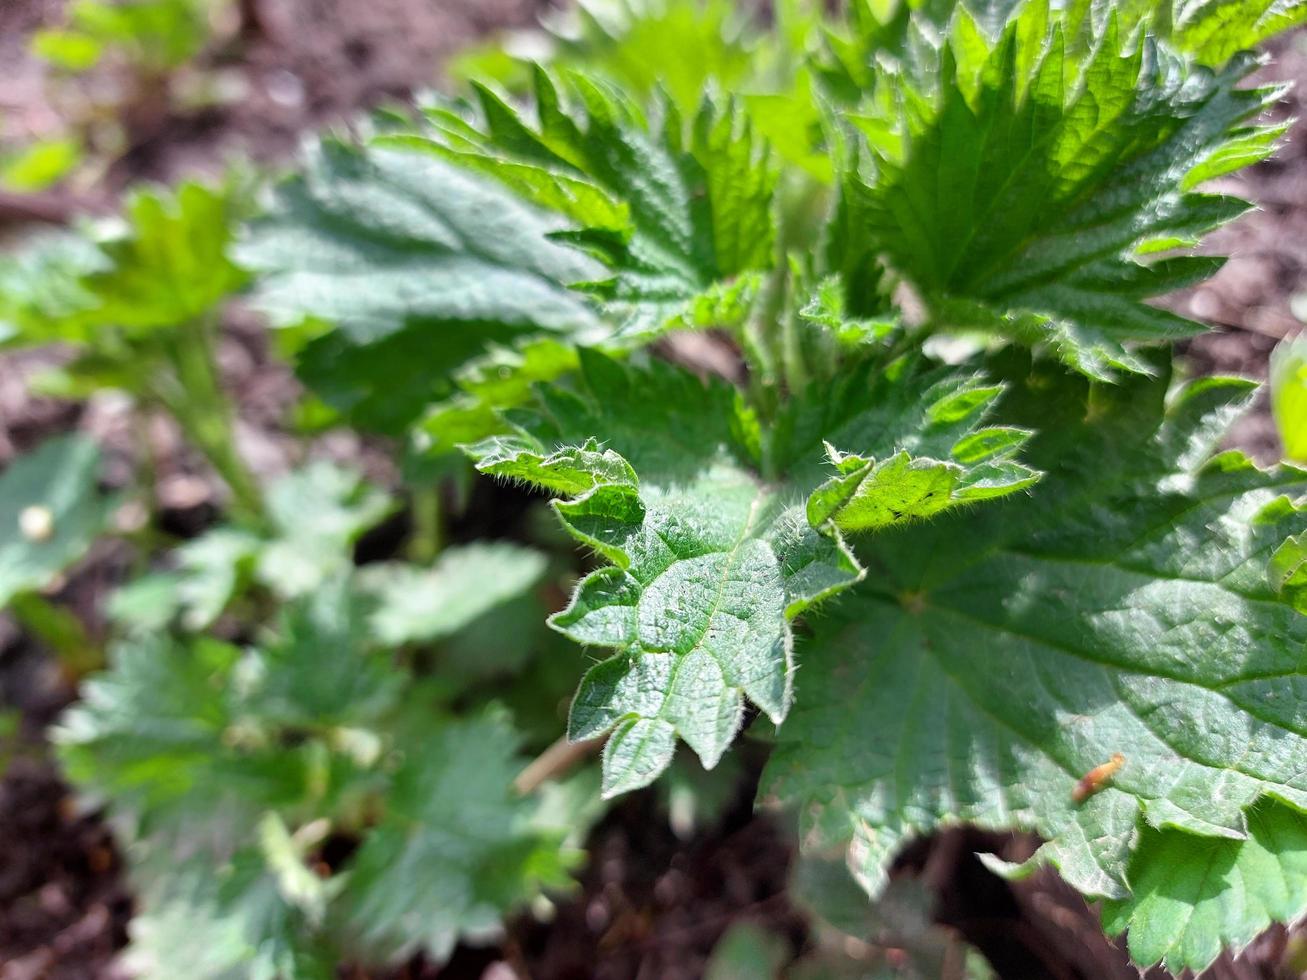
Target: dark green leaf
(992,667)
(710,560)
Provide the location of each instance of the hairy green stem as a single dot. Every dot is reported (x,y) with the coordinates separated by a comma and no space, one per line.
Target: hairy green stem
(796,365)
(200,406)
(763,344)
(911,339)
(774,342)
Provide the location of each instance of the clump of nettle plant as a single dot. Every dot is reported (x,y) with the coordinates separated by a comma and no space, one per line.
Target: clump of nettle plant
(953,541)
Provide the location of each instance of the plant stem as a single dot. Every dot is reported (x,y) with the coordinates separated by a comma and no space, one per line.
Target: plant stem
(554,762)
(796,367)
(773,335)
(202,409)
(760,333)
(911,339)
(59,630)
(428,525)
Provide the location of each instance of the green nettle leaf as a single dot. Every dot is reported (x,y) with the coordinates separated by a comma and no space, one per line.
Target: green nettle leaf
(677,46)
(456,847)
(196,739)
(1019,188)
(827,311)
(51,511)
(210,571)
(670,208)
(230,923)
(149,734)
(418,605)
(1216,30)
(1191,897)
(208,753)
(41,283)
(1113,663)
(174,267)
(315,515)
(502,378)
(318,671)
(169,266)
(140,307)
(710,561)
(1212,31)
(1289,395)
(418,265)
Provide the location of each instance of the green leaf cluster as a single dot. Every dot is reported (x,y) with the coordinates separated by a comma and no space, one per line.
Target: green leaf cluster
(1022,188)
(315,515)
(938,509)
(1126,608)
(310,797)
(699,214)
(1030,176)
(39,165)
(710,559)
(156,35)
(139,303)
(417,266)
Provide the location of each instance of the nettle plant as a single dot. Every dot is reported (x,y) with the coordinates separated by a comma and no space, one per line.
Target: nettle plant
(292,786)
(952,538)
(114,71)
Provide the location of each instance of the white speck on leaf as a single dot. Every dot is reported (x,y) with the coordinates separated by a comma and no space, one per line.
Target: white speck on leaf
(36,523)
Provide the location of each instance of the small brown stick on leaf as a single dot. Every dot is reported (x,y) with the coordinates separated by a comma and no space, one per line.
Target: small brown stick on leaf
(555,762)
(1094,780)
